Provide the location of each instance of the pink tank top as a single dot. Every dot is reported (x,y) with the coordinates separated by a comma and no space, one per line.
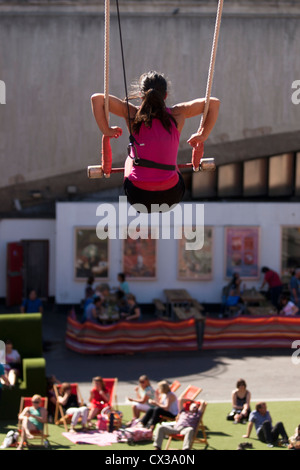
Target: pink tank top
(159,146)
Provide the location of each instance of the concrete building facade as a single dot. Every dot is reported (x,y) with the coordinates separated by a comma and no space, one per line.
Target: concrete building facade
(51,62)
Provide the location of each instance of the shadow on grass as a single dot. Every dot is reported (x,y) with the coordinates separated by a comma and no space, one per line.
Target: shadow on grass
(217,433)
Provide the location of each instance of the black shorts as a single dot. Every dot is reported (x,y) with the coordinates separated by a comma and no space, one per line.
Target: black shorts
(169,197)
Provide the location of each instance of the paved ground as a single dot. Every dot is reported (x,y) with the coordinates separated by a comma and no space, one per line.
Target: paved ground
(270,374)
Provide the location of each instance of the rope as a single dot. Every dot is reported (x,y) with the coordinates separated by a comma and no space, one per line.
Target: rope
(123,67)
(198,152)
(212,62)
(106,58)
(106,147)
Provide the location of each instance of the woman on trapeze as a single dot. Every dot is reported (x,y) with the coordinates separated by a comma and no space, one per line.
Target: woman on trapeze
(151,175)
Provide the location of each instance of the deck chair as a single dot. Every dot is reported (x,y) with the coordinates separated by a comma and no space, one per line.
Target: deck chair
(175,386)
(60,417)
(41,435)
(111,386)
(191,392)
(200,427)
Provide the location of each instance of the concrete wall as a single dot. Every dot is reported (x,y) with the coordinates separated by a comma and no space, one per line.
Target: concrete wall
(51,60)
(268,216)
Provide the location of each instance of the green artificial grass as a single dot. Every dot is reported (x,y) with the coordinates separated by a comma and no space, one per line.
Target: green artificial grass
(222,434)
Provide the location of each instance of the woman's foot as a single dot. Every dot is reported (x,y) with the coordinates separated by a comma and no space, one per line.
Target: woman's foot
(238,418)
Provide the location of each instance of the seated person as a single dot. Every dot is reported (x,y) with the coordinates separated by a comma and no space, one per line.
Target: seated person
(123,284)
(33,419)
(287,307)
(121,302)
(12,363)
(99,398)
(51,397)
(235,285)
(89,288)
(144,392)
(166,405)
(240,403)
(103,291)
(92,311)
(3,378)
(33,304)
(90,294)
(71,406)
(265,431)
(232,294)
(294,441)
(185,424)
(134,311)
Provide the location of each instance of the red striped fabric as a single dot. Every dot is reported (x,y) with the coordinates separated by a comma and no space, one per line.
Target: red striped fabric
(125,337)
(247,332)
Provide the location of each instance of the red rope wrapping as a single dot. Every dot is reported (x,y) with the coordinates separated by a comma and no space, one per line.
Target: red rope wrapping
(106,155)
(197,155)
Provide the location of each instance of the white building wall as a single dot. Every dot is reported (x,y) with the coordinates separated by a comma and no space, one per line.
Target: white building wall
(269,216)
(60,233)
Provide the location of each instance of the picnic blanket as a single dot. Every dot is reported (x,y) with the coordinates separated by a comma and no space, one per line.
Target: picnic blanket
(129,337)
(247,332)
(98,438)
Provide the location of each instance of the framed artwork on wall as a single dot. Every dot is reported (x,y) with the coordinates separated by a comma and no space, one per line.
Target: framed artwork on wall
(242,252)
(91,255)
(139,256)
(196,265)
(290,249)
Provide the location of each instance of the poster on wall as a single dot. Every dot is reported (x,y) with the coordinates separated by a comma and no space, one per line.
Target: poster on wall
(91,255)
(290,249)
(242,252)
(196,265)
(139,256)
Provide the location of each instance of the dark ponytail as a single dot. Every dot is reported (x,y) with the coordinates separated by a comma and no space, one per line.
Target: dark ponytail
(153,89)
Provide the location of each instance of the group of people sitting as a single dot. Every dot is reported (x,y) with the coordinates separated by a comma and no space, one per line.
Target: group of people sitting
(163,403)
(72,405)
(259,418)
(156,406)
(102,305)
(34,417)
(286,302)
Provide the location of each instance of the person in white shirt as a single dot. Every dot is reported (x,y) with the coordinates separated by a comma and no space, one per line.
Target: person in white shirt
(288,308)
(12,363)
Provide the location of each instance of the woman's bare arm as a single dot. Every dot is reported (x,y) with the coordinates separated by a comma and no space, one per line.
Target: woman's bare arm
(116,106)
(189,109)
